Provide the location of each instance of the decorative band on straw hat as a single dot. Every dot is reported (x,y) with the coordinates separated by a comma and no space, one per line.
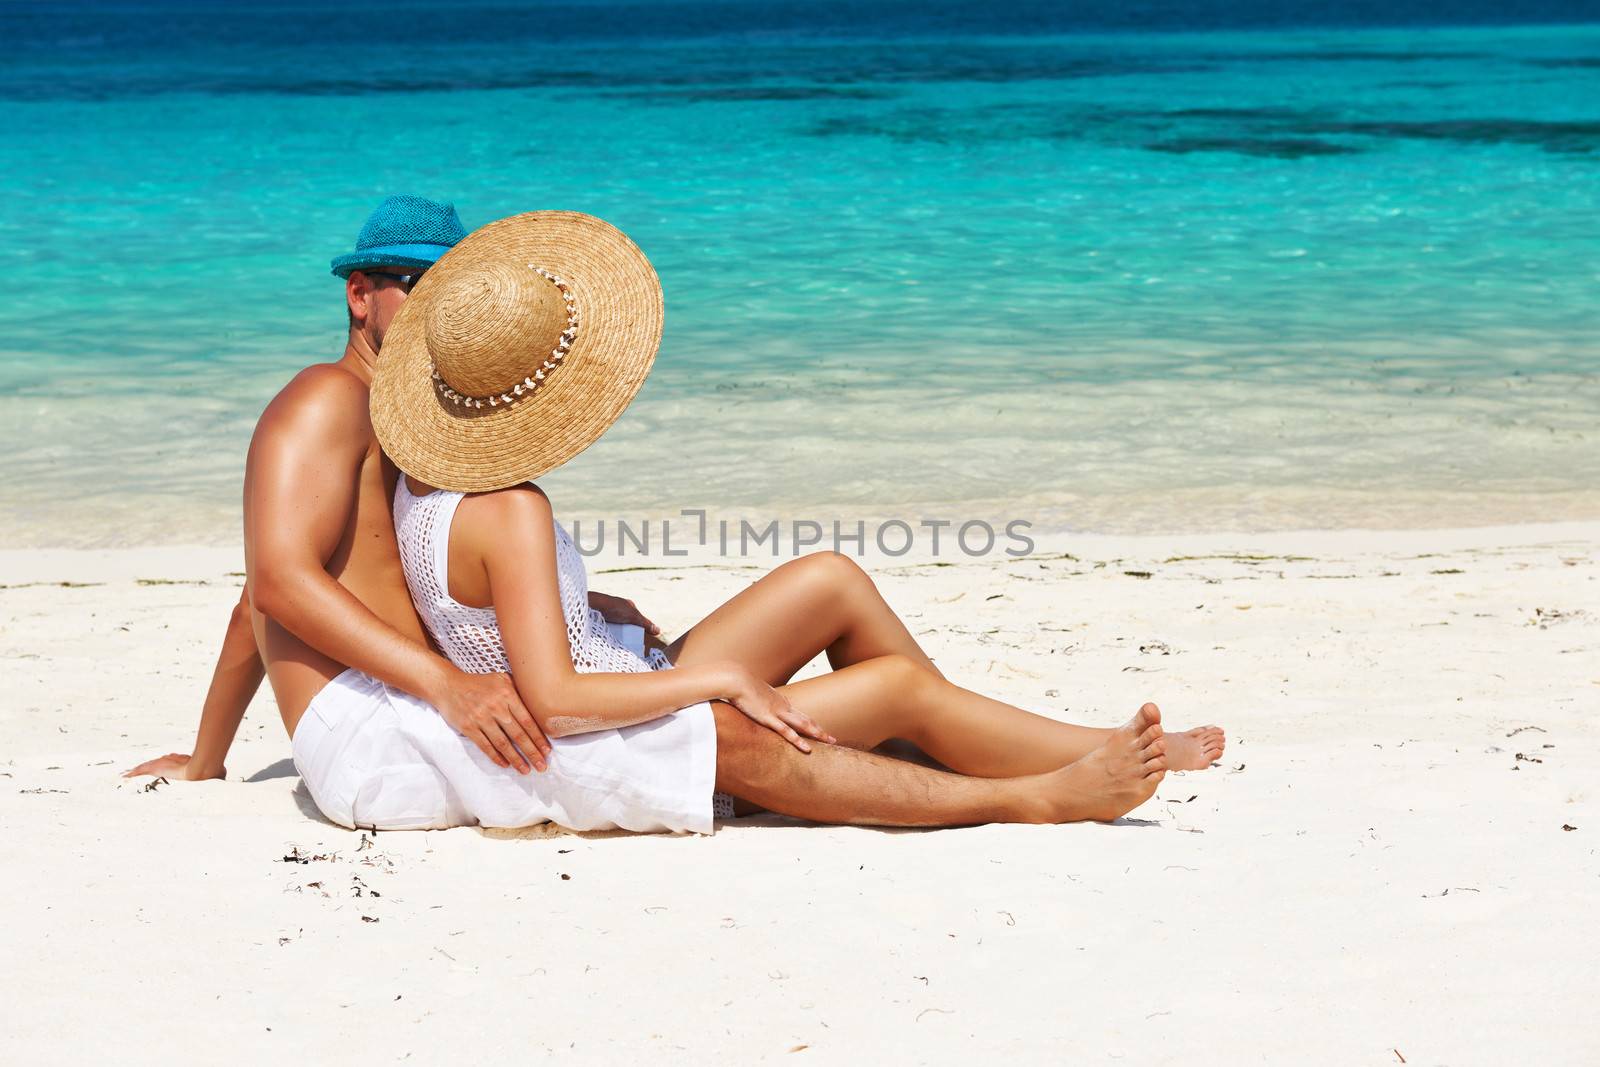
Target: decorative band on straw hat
(516,351)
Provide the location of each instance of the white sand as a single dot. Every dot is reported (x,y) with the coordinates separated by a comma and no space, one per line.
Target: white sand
(1373,874)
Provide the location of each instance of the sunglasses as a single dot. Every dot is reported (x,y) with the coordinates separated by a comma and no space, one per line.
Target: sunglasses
(405,281)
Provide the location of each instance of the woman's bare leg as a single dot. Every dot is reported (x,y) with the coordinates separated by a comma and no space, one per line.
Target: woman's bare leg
(825,602)
(868,703)
(820,602)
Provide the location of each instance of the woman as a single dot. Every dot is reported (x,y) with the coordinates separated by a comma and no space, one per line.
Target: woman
(515,353)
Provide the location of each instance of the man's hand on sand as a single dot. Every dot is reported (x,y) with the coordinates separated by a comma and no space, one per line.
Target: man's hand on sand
(487,709)
(174,766)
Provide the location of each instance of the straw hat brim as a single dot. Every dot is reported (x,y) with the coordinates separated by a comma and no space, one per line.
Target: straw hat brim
(620,308)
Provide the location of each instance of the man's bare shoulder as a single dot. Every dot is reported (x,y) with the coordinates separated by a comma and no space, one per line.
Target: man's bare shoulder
(324,399)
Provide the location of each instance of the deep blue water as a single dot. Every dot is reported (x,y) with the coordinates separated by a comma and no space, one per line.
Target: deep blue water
(1110,266)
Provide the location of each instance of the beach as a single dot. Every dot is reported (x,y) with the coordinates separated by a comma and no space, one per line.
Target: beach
(1394,863)
(1259,339)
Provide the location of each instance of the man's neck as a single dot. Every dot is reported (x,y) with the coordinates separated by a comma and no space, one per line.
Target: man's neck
(360,356)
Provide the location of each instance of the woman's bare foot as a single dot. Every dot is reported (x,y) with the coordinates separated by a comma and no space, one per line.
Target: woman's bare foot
(1195,750)
(1116,777)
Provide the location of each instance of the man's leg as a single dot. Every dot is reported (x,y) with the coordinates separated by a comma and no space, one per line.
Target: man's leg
(834,784)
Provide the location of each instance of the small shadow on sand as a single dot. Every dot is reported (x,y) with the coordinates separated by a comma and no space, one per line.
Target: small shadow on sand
(284,768)
(308,806)
(548,831)
(766,821)
(770,821)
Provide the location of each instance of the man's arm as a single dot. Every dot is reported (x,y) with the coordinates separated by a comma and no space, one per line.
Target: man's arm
(234,683)
(301,484)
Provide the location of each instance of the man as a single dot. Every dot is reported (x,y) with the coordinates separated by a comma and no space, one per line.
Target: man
(325,593)
(324,586)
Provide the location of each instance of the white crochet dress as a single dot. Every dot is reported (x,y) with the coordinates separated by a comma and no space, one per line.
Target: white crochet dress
(470,636)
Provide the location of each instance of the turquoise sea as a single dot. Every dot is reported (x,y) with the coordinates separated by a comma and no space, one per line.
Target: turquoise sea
(1135,267)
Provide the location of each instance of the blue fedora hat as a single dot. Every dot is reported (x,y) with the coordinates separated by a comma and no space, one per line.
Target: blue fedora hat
(405,231)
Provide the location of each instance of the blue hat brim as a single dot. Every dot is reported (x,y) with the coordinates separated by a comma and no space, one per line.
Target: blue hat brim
(421,256)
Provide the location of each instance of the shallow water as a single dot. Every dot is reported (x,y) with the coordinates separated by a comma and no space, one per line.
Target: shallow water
(1233,279)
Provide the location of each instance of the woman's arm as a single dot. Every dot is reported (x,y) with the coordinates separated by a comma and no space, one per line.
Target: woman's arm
(234,683)
(512,534)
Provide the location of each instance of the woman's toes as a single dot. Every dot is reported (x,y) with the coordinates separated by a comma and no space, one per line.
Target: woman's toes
(1149,735)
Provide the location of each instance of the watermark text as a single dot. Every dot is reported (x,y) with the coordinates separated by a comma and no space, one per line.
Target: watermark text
(775,538)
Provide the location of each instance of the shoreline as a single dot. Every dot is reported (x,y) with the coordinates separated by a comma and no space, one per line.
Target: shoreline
(1167,455)
(20,567)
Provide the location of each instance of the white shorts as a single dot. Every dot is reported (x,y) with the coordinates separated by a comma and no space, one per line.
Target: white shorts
(376,758)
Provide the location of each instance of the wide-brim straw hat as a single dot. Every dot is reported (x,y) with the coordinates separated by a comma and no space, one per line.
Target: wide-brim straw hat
(516,351)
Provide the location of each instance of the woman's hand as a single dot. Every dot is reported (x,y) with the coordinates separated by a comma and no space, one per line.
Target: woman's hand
(616,609)
(763,704)
(174,766)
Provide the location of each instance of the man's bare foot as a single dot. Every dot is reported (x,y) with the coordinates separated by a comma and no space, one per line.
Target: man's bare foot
(1116,777)
(1195,750)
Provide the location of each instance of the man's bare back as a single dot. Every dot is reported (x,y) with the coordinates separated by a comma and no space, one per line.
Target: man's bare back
(364,559)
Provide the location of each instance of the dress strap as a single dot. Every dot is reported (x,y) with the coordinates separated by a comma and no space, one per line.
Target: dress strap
(444,513)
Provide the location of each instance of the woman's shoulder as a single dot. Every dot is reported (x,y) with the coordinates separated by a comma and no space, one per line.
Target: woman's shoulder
(524,494)
(500,509)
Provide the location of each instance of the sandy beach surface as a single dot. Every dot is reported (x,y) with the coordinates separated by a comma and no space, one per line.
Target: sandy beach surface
(1396,861)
